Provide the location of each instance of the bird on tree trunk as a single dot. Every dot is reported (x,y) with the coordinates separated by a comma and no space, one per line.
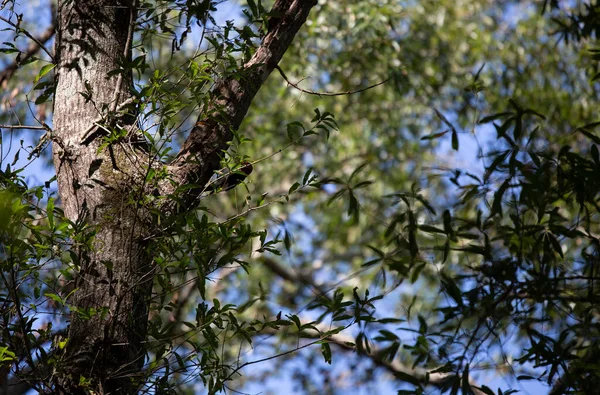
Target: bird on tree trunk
(226,179)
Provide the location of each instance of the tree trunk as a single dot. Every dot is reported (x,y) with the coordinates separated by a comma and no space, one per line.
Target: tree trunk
(98,190)
(101,186)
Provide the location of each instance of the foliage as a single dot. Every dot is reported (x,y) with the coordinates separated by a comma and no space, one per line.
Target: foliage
(360,232)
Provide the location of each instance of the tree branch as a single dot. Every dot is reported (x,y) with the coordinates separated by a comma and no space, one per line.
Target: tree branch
(32,49)
(201,152)
(320,94)
(394,367)
(346,343)
(30,377)
(295,278)
(23,127)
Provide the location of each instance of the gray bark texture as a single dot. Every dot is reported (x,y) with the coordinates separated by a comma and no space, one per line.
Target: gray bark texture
(101,187)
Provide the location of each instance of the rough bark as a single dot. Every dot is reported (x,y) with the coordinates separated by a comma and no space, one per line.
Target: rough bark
(101,188)
(98,189)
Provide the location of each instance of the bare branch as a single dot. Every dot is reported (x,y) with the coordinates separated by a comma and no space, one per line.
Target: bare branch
(295,349)
(346,343)
(329,93)
(294,278)
(394,367)
(24,127)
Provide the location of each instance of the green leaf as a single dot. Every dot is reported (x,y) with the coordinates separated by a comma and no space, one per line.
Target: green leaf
(50,211)
(307,176)
(326,351)
(6,355)
(443,118)
(426,203)
(45,95)
(591,136)
(16,158)
(555,244)
(454,140)
(357,171)
(497,205)
(180,361)
(292,130)
(388,335)
(595,154)
(516,106)
(533,112)
(447,218)
(54,297)
(525,377)
(416,272)
(435,135)
(294,318)
(450,287)
(293,188)
(493,117)
(408,378)
(486,390)
(317,116)
(446,251)
(11,48)
(496,162)
(431,229)
(518,131)
(45,70)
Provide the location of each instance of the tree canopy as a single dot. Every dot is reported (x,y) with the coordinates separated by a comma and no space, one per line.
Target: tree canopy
(422,214)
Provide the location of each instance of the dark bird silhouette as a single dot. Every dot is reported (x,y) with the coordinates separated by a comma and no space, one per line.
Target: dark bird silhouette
(226,179)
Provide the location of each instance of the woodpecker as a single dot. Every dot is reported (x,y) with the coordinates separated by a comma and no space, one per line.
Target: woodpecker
(226,179)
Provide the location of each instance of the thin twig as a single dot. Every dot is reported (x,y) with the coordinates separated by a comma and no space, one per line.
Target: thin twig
(100,118)
(328,93)
(347,343)
(31,50)
(43,139)
(27,127)
(25,32)
(319,339)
